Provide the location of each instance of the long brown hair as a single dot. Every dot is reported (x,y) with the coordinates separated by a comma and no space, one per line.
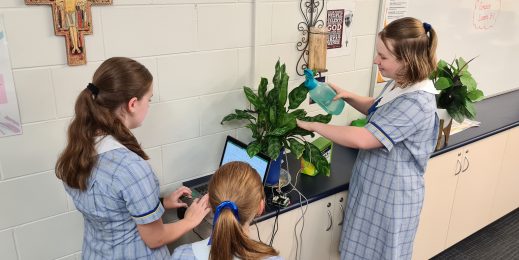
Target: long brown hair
(118,80)
(240,183)
(414,44)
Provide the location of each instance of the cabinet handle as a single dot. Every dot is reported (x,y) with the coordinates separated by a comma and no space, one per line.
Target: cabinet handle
(465,159)
(342,219)
(331,221)
(458,167)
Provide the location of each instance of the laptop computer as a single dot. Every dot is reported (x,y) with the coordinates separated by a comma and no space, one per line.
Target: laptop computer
(234,150)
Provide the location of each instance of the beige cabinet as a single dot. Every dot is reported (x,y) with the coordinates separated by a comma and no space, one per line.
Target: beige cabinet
(339,205)
(506,197)
(459,191)
(440,186)
(320,234)
(476,186)
(284,237)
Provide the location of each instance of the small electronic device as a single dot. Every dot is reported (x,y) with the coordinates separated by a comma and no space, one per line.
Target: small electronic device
(280,201)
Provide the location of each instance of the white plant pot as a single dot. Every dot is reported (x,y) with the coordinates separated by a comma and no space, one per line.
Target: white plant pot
(443,114)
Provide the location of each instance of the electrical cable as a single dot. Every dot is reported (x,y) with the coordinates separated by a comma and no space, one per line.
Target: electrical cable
(257,230)
(301,219)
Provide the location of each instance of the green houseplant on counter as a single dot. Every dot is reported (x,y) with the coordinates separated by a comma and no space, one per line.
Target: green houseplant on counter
(457,94)
(273,123)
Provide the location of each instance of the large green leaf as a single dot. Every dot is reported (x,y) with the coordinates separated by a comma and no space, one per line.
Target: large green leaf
(253,98)
(469,106)
(253,148)
(277,75)
(443,83)
(301,132)
(296,147)
(475,95)
(319,118)
(262,89)
(297,96)
(274,147)
(283,90)
(298,113)
(467,80)
(240,115)
(286,122)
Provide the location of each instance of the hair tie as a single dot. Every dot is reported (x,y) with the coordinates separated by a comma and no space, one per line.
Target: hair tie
(225,204)
(427,27)
(93,89)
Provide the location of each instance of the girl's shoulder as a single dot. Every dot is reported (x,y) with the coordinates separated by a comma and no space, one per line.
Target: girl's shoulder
(277,257)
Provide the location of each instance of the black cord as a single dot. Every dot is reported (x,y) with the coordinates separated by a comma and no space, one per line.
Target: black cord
(257,230)
(275,228)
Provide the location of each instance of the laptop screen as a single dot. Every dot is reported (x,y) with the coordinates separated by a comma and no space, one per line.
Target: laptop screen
(237,151)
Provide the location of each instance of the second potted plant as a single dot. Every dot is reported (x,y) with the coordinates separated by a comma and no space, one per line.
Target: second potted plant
(458,93)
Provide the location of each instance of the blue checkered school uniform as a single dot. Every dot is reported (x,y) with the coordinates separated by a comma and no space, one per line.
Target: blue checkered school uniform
(200,251)
(122,192)
(386,190)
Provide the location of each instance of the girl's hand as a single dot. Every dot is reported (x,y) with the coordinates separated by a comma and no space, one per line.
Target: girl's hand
(173,200)
(198,210)
(305,125)
(341,93)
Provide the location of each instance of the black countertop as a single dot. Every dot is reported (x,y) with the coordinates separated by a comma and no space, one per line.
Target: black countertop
(496,114)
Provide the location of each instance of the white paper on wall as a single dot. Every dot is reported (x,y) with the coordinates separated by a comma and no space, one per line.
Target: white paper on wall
(10,123)
(339,21)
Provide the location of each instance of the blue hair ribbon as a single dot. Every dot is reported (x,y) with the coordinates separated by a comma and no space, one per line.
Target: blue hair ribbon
(225,204)
(427,27)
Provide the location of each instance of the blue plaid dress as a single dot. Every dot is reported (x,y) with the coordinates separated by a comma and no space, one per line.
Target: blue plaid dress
(387,188)
(122,192)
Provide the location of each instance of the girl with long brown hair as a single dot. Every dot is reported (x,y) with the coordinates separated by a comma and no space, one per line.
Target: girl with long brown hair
(236,196)
(104,169)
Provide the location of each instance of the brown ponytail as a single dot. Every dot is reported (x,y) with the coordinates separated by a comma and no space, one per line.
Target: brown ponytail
(240,183)
(118,80)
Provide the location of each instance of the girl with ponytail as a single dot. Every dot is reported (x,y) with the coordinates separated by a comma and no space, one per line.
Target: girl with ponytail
(236,196)
(104,169)
(386,190)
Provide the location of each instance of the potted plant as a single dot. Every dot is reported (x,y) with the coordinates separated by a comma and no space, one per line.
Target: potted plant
(273,123)
(458,93)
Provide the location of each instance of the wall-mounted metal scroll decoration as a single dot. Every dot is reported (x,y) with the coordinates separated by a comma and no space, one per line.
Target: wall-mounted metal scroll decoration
(311,10)
(72,19)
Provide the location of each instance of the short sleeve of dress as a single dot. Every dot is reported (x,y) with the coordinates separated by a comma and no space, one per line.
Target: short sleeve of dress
(141,192)
(397,120)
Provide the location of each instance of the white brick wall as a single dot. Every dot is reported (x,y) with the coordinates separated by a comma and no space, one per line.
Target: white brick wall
(200,52)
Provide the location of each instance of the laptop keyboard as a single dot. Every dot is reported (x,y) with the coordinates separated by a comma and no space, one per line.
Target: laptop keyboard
(202,190)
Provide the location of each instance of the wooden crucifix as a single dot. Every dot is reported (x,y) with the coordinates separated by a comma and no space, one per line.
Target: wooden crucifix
(72,19)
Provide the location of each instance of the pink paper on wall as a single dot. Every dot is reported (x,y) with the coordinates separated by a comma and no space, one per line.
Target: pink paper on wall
(3,93)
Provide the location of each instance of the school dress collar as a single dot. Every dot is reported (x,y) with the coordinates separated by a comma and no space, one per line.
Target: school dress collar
(107,143)
(425,85)
(201,250)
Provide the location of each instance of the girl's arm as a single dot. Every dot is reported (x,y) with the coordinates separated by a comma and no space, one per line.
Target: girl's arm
(349,136)
(157,234)
(360,103)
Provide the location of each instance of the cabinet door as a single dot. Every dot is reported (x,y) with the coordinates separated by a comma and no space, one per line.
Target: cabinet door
(476,187)
(317,230)
(339,204)
(283,239)
(507,194)
(440,186)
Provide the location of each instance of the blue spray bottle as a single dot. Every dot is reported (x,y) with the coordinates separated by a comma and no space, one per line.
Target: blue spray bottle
(323,94)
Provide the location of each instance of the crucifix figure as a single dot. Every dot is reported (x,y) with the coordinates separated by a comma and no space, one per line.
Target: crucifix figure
(72,19)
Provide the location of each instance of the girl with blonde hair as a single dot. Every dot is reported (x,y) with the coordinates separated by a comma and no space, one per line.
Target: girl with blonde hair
(236,196)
